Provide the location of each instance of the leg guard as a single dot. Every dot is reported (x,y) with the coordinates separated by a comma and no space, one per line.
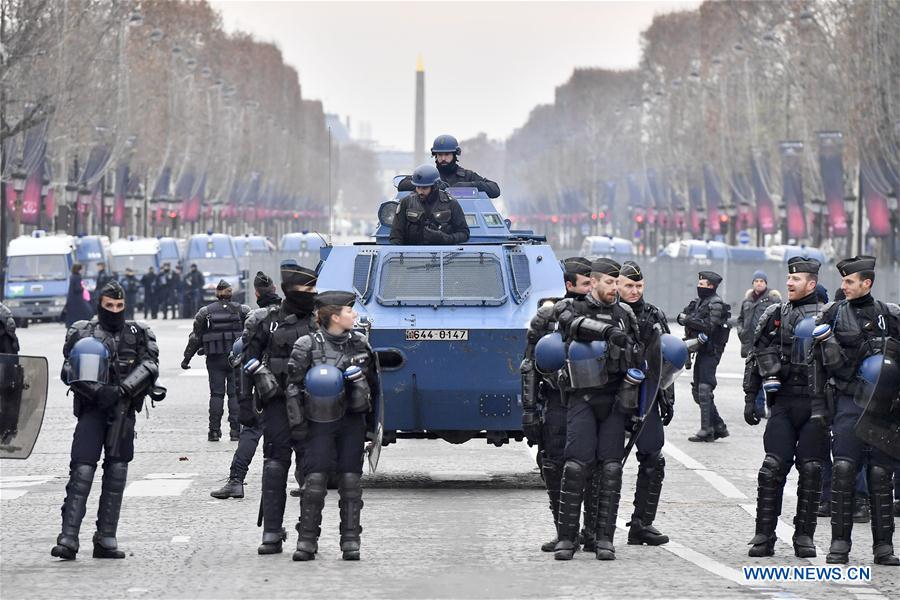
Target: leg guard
(571,490)
(809,491)
(552,479)
(879,479)
(273,499)
(843,483)
(115,475)
(608,508)
(707,430)
(589,526)
(768,495)
(81,477)
(651,472)
(350,504)
(312,501)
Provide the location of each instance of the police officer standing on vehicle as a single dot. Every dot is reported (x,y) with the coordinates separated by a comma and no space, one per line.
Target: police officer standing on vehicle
(216,327)
(797,429)
(544,416)
(251,428)
(111,365)
(429,215)
(859,327)
(333,379)
(9,342)
(267,349)
(446,151)
(652,323)
(599,401)
(707,314)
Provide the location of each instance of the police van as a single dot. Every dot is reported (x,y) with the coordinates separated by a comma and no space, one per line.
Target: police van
(303,247)
(216,258)
(37,276)
(89,250)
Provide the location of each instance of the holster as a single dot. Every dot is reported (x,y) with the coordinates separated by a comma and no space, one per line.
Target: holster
(266,384)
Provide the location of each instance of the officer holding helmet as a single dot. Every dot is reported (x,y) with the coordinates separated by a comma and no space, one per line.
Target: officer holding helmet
(446,151)
(429,215)
(111,364)
(333,375)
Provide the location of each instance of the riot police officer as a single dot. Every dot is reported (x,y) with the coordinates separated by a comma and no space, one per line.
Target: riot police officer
(652,323)
(267,349)
(251,429)
(797,429)
(333,380)
(131,285)
(707,314)
(602,337)
(429,215)
(858,327)
(111,364)
(544,417)
(446,151)
(9,341)
(216,327)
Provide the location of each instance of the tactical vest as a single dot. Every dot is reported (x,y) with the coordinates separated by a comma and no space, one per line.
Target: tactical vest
(719,337)
(648,320)
(356,397)
(617,361)
(224,324)
(861,333)
(284,330)
(793,350)
(418,215)
(123,346)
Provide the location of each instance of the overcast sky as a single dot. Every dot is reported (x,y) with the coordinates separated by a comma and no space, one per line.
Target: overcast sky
(486,64)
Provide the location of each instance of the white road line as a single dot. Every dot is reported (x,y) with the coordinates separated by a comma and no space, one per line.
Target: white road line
(193,372)
(181,539)
(157,487)
(7,485)
(24,478)
(11,494)
(170,475)
(725,487)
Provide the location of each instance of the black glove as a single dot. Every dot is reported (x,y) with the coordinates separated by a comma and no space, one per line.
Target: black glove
(108,396)
(531,426)
(186,363)
(435,236)
(246,414)
(750,414)
(201,351)
(617,337)
(666,411)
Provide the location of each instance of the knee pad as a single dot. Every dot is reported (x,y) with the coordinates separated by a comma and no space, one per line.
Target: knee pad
(878,474)
(611,469)
(274,472)
(811,468)
(316,484)
(116,471)
(843,468)
(772,470)
(705,389)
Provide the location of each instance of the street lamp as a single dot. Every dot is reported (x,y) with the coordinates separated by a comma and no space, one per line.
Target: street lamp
(782,214)
(84,200)
(817,206)
(109,201)
(45,189)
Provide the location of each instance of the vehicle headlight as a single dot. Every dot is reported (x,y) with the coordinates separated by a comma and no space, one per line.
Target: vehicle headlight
(11,303)
(59,302)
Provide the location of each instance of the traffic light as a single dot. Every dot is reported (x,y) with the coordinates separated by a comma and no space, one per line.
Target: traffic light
(723,223)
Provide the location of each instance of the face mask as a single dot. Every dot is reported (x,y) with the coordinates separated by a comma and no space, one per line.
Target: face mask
(300,302)
(705,292)
(111,321)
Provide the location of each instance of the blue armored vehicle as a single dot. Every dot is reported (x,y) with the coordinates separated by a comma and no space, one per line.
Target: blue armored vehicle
(448,322)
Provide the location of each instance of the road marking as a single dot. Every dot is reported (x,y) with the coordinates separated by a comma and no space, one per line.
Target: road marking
(11,494)
(23,478)
(181,539)
(170,475)
(725,487)
(193,373)
(157,487)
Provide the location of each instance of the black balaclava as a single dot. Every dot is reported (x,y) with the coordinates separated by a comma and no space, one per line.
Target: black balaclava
(295,301)
(112,322)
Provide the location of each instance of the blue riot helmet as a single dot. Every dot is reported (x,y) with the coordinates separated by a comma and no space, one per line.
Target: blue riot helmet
(870,369)
(803,340)
(444,144)
(550,353)
(425,176)
(237,349)
(89,361)
(324,393)
(587,364)
(674,357)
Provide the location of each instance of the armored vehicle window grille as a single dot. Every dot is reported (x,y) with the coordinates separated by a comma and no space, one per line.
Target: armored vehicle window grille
(363,267)
(447,278)
(520,274)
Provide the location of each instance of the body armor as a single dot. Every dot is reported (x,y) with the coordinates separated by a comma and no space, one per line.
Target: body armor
(224,323)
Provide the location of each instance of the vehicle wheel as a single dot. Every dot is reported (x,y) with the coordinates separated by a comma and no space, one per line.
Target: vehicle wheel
(21,323)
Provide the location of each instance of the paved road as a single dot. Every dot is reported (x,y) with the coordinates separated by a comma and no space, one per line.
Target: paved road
(440,521)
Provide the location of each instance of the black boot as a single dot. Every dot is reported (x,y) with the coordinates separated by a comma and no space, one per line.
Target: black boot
(707,432)
(273,498)
(768,506)
(843,482)
(350,504)
(608,508)
(552,479)
(879,479)
(311,503)
(213,436)
(233,489)
(571,490)
(115,475)
(589,526)
(75,505)
(809,490)
(235,435)
(651,472)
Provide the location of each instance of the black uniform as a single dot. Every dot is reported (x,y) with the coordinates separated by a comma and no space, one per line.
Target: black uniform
(194,282)
(708,315)
(216,327)
(103,277)
(271,341)
(596,414)
(337,432)
(436,219)
(9,342)
(131,285)
(163,287)
(134,367)
(861,327)
(148,280)
(455,176)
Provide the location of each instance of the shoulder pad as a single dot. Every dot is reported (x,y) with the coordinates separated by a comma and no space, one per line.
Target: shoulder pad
(83,325)
(628,311)
(658,313)
(304,343)
(563,304)
(463,173)
(892,308)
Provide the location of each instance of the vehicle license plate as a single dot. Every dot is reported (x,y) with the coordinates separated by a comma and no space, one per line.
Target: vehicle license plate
(437,335)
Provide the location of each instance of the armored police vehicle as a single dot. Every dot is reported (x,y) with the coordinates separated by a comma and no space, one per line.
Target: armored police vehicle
(448,322)
(215,257)
(37,276)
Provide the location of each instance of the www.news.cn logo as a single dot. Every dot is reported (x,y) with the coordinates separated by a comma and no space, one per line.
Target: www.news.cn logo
(808,573)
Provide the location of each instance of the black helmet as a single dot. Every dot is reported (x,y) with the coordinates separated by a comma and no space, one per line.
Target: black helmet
(445,143)
(425,176)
